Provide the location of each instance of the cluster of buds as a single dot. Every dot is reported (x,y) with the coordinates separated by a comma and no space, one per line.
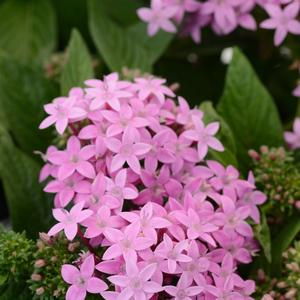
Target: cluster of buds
(15,257)
(279,178)
(133,185)
(287,287)
(51,253)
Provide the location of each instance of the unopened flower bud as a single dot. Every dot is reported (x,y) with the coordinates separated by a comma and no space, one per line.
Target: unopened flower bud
(40,263)
(281,284)
(36,277)
(297,204)
(290,294)
(40,291)
(45,237)
(267,297)
(253,154)
(264,149)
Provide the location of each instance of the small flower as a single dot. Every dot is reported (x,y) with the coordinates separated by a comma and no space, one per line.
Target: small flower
(204,136)
(127,150)
(158,17)
(136,284)
(109,91)
(68,221)
(283,20)
(61,112)
(74,158)
(184,289)
(82,280)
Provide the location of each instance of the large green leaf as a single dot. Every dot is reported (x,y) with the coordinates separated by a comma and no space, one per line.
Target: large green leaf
(124,43)
(23,91)
(29,208)
(224,135)
(27,29)
(78,67)
(249,109)
(263,235)
(283,240)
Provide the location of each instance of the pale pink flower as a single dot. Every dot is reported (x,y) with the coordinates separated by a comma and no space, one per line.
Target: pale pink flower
(61,112)
(172,253)
(109,91)
(97,132)
(68,221)
(283,20)
(147,221)
(96,196)
(158,17)
(74,158)
(204,136)
(98,223)
(199,225)
(118,189)
(67,188)
(48,169)
(125,243)
(136,284)
(292,138)
(184,289)
(82,280)
(127,150)
(234,218)
(152,86)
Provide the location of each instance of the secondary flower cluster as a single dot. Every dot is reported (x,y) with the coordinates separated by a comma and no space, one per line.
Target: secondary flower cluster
(134,186)
(222,16)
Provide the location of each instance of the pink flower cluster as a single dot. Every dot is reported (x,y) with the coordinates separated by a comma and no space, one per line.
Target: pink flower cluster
(133,184)
(222,16)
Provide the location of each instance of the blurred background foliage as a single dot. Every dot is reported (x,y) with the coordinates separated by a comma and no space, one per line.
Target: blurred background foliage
(47,46)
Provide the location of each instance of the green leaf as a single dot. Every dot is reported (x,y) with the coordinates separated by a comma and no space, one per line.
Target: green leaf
(29,208)
(282,241)
(225,135)
(27,29)
(3,278)
(78,67)
(121,42)
(263,235)
(248,109)
(23,91)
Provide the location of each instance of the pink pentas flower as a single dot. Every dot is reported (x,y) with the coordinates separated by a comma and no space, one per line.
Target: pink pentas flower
(48,169)
(292,138)
(68,221)
(147,221)
(125,243)
(82,280)
(136,284)
(109,91)
(282,20)
(172,253)
(74,158)
(198,225)
(118,189)
(158,17)
(61,112)
(127,150)
(98,223)
(152,86)
(234,218)
(122,120)
(204,136)
(184,289)
(96,194)
(67,188)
